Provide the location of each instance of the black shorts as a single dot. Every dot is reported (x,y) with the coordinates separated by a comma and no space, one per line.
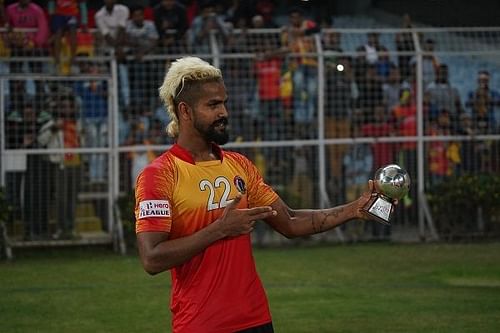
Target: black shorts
(266,328)
(61,22)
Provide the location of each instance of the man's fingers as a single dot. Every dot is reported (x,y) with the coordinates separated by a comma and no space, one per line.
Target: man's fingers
(261,213)
(259,210)
(234,203)
(370,185)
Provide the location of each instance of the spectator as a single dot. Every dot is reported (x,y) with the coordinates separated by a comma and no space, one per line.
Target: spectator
(358,165)
(440,166)
(484,105)
(111,21)
(170,15)
(441,95)
(268,71)
(297,38)
(266,9)
(405,44)
(383,152)
(430,63)
(471,151)
(93,97)
(341,93)
(37,188)
(142,38)
(391,89)
(202,25)
(370,92)
(67,185)
(404,121)
(368,54)
(64,17)
(27,15)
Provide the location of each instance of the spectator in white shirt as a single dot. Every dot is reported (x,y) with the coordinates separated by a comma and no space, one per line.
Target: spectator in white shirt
(142,39)
(111,21)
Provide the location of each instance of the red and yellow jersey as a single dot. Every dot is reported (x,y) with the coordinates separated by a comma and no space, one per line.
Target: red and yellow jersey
(67,7)
(219,289)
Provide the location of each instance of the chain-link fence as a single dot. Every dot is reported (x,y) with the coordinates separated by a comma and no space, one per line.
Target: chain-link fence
(317,113)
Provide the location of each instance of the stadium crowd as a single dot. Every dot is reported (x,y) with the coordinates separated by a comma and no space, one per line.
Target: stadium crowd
(273,93)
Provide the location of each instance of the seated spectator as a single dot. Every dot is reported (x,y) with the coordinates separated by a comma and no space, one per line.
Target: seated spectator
(170,15)
(440,95)
(484,106)
(64,18)
(111,21)
(142,39)
(203,24)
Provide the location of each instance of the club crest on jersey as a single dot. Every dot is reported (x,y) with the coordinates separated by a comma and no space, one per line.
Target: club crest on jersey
(154,208)
(240,184)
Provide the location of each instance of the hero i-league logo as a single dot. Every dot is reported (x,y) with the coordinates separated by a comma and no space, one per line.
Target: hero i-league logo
(154,208)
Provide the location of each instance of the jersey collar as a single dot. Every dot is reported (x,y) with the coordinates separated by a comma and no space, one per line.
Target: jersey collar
(186,156)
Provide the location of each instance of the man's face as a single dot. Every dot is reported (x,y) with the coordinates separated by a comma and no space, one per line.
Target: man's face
(138,17)
(168,4)
(210,114)
(483,81)
(295,19)
(109,3)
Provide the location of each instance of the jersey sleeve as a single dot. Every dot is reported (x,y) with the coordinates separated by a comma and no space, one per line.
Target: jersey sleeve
(259,193)
(153,210)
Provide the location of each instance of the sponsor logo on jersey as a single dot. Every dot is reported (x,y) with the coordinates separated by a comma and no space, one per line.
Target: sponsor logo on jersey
(240,184)
(154,208)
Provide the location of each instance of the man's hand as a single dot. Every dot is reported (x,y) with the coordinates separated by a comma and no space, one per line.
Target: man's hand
(235,221)
(368,196)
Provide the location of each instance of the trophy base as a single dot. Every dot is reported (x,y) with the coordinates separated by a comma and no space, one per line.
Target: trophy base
(380,210)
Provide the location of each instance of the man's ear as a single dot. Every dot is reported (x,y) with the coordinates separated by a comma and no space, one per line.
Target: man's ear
(184,111)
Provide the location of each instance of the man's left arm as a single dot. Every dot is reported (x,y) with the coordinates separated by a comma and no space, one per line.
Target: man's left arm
(302,222)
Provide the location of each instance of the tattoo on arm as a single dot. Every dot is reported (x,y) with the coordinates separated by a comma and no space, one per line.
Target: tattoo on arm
(319,219)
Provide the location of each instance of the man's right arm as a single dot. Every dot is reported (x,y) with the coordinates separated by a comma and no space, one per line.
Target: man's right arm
(158,253)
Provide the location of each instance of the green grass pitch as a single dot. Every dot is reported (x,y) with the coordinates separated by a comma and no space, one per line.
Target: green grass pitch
(337,288)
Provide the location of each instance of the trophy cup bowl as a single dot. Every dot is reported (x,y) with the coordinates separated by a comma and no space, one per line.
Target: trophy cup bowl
(391,183)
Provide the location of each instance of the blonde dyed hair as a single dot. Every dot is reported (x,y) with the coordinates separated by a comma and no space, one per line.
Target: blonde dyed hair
(182,71)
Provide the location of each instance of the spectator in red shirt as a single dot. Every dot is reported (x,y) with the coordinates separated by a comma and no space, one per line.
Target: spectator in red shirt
(64,17)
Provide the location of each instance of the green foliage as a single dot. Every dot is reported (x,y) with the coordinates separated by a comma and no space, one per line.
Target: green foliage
(456,202)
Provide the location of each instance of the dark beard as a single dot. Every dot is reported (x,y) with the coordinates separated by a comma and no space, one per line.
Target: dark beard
(212,135)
